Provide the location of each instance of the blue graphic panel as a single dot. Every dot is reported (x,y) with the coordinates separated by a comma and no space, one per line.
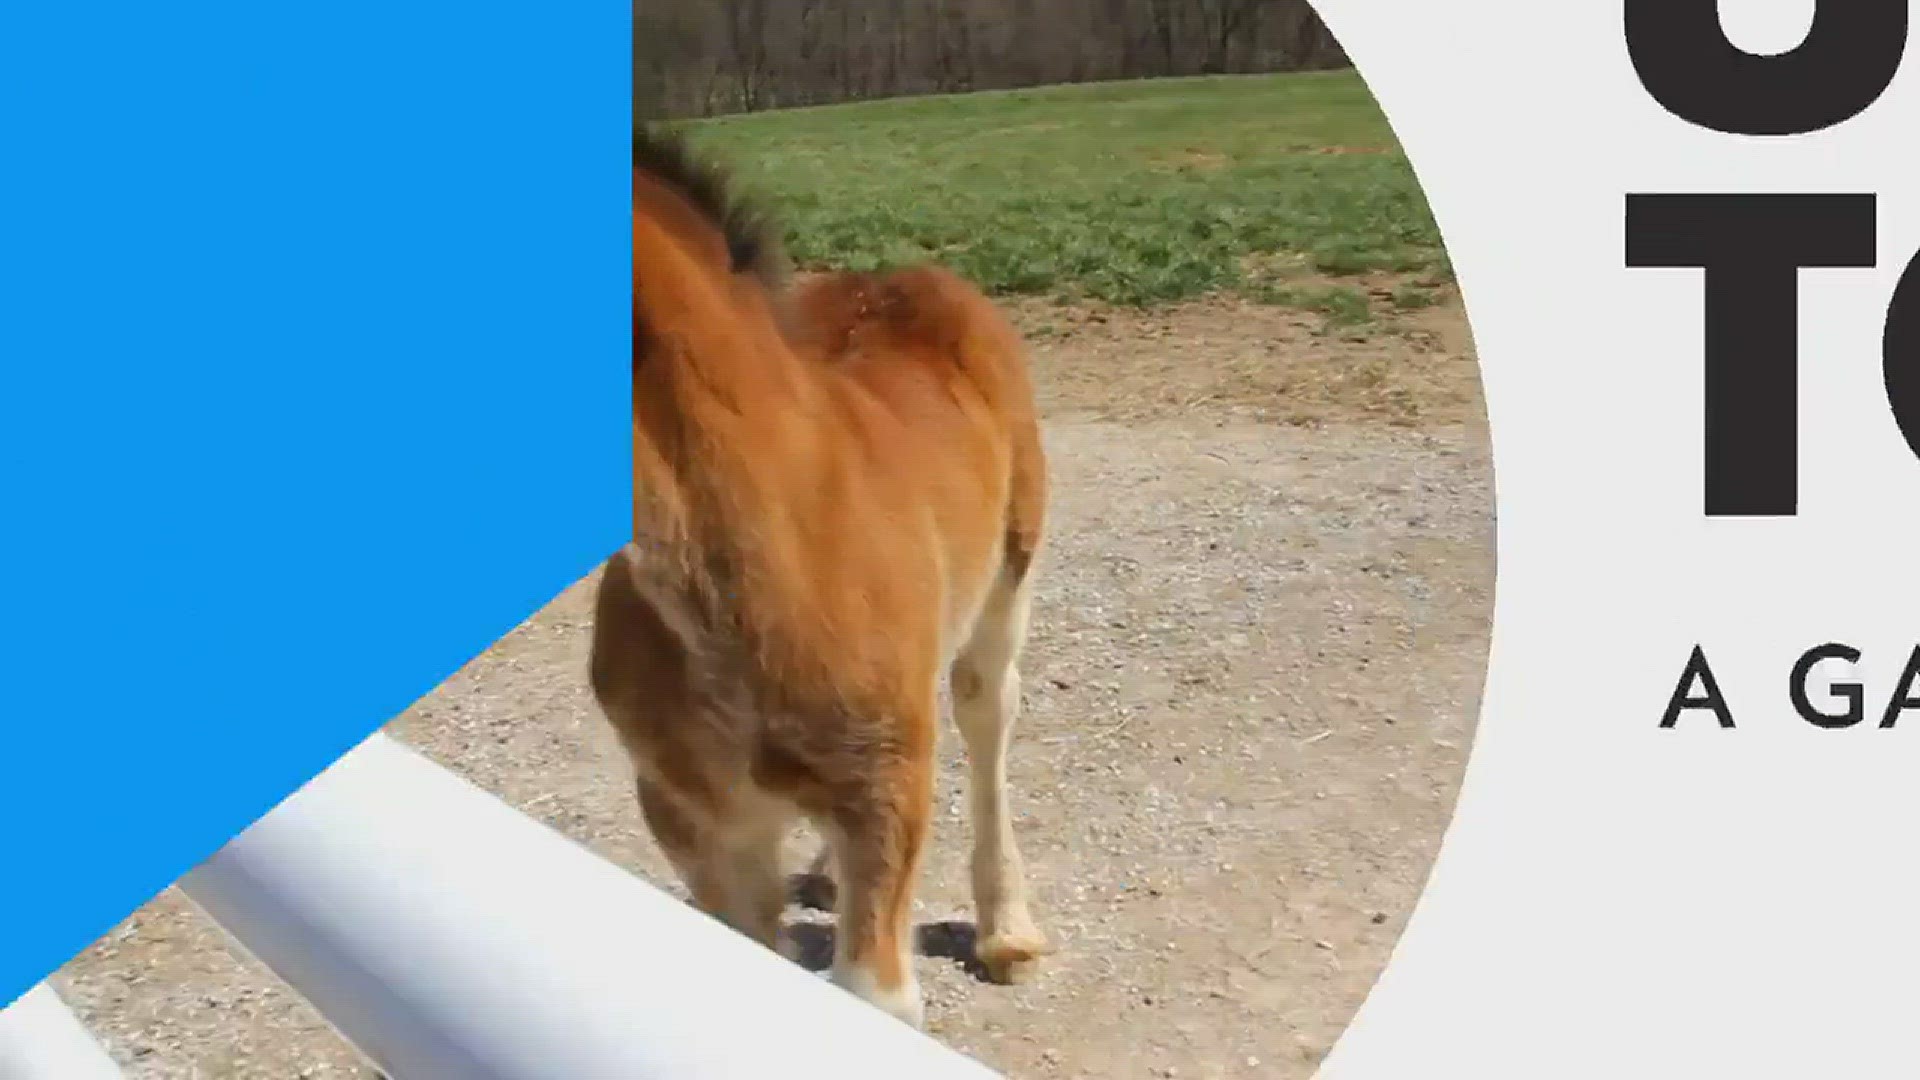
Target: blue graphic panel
(312,385)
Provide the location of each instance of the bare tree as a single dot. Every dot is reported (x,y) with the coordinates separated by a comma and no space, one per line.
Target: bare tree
(953,46)
(1164,21)
(1226,22)
(744,23)
(695,57)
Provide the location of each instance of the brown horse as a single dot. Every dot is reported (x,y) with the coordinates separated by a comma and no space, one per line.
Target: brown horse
(839,493)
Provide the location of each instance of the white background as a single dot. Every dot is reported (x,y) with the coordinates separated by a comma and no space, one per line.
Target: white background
(1614,900)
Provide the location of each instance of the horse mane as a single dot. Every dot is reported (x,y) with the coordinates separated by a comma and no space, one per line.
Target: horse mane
(753,240)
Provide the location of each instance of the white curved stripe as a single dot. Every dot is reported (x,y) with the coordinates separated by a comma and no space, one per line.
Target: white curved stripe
(446,934)
(41,1039)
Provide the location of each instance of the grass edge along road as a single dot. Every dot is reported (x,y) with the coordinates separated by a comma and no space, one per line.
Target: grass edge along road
(1284,189)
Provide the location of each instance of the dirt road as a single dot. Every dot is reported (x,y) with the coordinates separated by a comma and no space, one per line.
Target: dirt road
(1258,649)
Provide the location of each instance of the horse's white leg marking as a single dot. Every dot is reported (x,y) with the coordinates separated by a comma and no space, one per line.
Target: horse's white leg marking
(986,703)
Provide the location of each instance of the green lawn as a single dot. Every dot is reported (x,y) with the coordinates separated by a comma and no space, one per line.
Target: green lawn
(1134,192)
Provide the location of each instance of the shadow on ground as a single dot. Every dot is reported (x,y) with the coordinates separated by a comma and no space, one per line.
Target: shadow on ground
(813,942)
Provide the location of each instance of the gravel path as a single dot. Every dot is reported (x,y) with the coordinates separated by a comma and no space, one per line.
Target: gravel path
(1258,649)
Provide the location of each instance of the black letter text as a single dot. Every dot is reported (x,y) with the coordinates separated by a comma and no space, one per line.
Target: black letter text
(1751,247)
(1903,696)
(1851,692)
(1687,64)
(1697,669)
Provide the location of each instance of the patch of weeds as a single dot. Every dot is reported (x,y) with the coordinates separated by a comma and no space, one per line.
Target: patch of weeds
(1340,306)
(1413,298)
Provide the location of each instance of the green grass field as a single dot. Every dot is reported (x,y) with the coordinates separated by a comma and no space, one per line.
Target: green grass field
(1272,187)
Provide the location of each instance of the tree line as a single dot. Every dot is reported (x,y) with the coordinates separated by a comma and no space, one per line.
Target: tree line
(707,57)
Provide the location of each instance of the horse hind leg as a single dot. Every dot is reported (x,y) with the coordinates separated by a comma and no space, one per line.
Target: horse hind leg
(985,679)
